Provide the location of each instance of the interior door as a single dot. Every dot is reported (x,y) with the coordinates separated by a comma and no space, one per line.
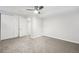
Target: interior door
(23,26)
(29,26)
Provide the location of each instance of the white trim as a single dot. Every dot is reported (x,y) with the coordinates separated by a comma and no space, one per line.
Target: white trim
(62,39)
(36,36)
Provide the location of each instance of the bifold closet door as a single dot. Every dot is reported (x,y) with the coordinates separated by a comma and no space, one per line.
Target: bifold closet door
(29,26)
(23,26)
(9,26)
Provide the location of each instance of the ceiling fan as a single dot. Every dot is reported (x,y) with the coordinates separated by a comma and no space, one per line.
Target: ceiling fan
(36,9)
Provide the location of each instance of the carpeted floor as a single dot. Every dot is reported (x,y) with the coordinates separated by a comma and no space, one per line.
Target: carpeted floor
(38,45)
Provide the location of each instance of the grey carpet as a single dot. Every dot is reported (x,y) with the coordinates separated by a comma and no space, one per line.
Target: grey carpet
(38,45)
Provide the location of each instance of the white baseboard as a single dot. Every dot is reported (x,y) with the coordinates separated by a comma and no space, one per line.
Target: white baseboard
(35,36)
(13,37)
(77,42)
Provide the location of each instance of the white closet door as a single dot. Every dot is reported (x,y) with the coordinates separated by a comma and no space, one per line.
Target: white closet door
(23,26)
(9,26)
(29,22)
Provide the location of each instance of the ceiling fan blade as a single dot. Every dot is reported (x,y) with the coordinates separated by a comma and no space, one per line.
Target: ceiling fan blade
(30,9)
(41,7)
(36,7)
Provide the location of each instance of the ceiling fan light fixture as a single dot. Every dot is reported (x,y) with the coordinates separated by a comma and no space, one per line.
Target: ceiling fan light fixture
(36,11)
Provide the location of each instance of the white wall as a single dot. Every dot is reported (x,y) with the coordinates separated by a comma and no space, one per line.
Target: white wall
(37,26)
(9,26)
(65,27)
(14,26)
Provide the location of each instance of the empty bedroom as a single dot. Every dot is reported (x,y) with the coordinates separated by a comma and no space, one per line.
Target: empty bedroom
(39,29)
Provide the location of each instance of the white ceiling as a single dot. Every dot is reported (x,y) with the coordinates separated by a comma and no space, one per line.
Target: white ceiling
(20,10)
(47,10)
